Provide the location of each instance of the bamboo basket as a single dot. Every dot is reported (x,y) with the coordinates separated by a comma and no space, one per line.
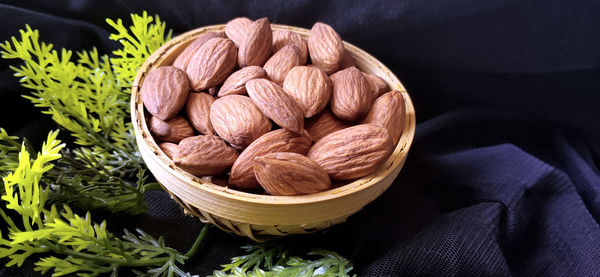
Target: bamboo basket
(262,217)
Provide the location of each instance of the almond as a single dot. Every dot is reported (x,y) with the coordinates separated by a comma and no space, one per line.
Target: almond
(236,82)
(273,102)
(211,64)
(198,112)
(388,111)
(204,155)
(282,140)
(324,124)
(236,29)
(325,47)
(282,38)
(347,61)
(352,152)
(378,85)
(281,62)
(351,97)
(164,91)
(172,130)
(184,58)
(256,46)
(169,148)
(309,87)
(290,174)
(238,121)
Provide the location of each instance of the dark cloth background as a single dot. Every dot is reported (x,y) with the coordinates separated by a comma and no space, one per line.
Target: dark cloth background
(503,177)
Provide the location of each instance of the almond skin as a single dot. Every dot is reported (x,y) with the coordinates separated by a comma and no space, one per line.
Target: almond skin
(309,87)
(324,124)
(236,82)
(388,111)
(184,58)
(351,97)
(212,63)
(378,85)
(282,38)
(204,155)
(256,46)
(352,152)
(236,29)
(281,140)
(281,62)
(198,111)
(290,174)
(172,130)
(164,91)
(347,61)
(238,121)
(336,76)
(325,47)
(169,148)
(273,102)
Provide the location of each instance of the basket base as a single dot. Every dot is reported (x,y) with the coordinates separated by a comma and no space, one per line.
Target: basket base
(258,233)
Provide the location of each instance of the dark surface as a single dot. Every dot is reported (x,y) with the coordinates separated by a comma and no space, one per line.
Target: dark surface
(503,175)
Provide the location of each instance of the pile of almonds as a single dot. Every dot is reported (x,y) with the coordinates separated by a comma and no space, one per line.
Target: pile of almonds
(245,102)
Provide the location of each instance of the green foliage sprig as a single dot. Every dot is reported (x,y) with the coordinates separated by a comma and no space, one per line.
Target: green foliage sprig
(74,244)
(90,98)
(81,96)
(139,41)
(9,153)
(268,259)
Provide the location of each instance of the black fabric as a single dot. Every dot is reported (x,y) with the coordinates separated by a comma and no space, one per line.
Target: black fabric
(503,177)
